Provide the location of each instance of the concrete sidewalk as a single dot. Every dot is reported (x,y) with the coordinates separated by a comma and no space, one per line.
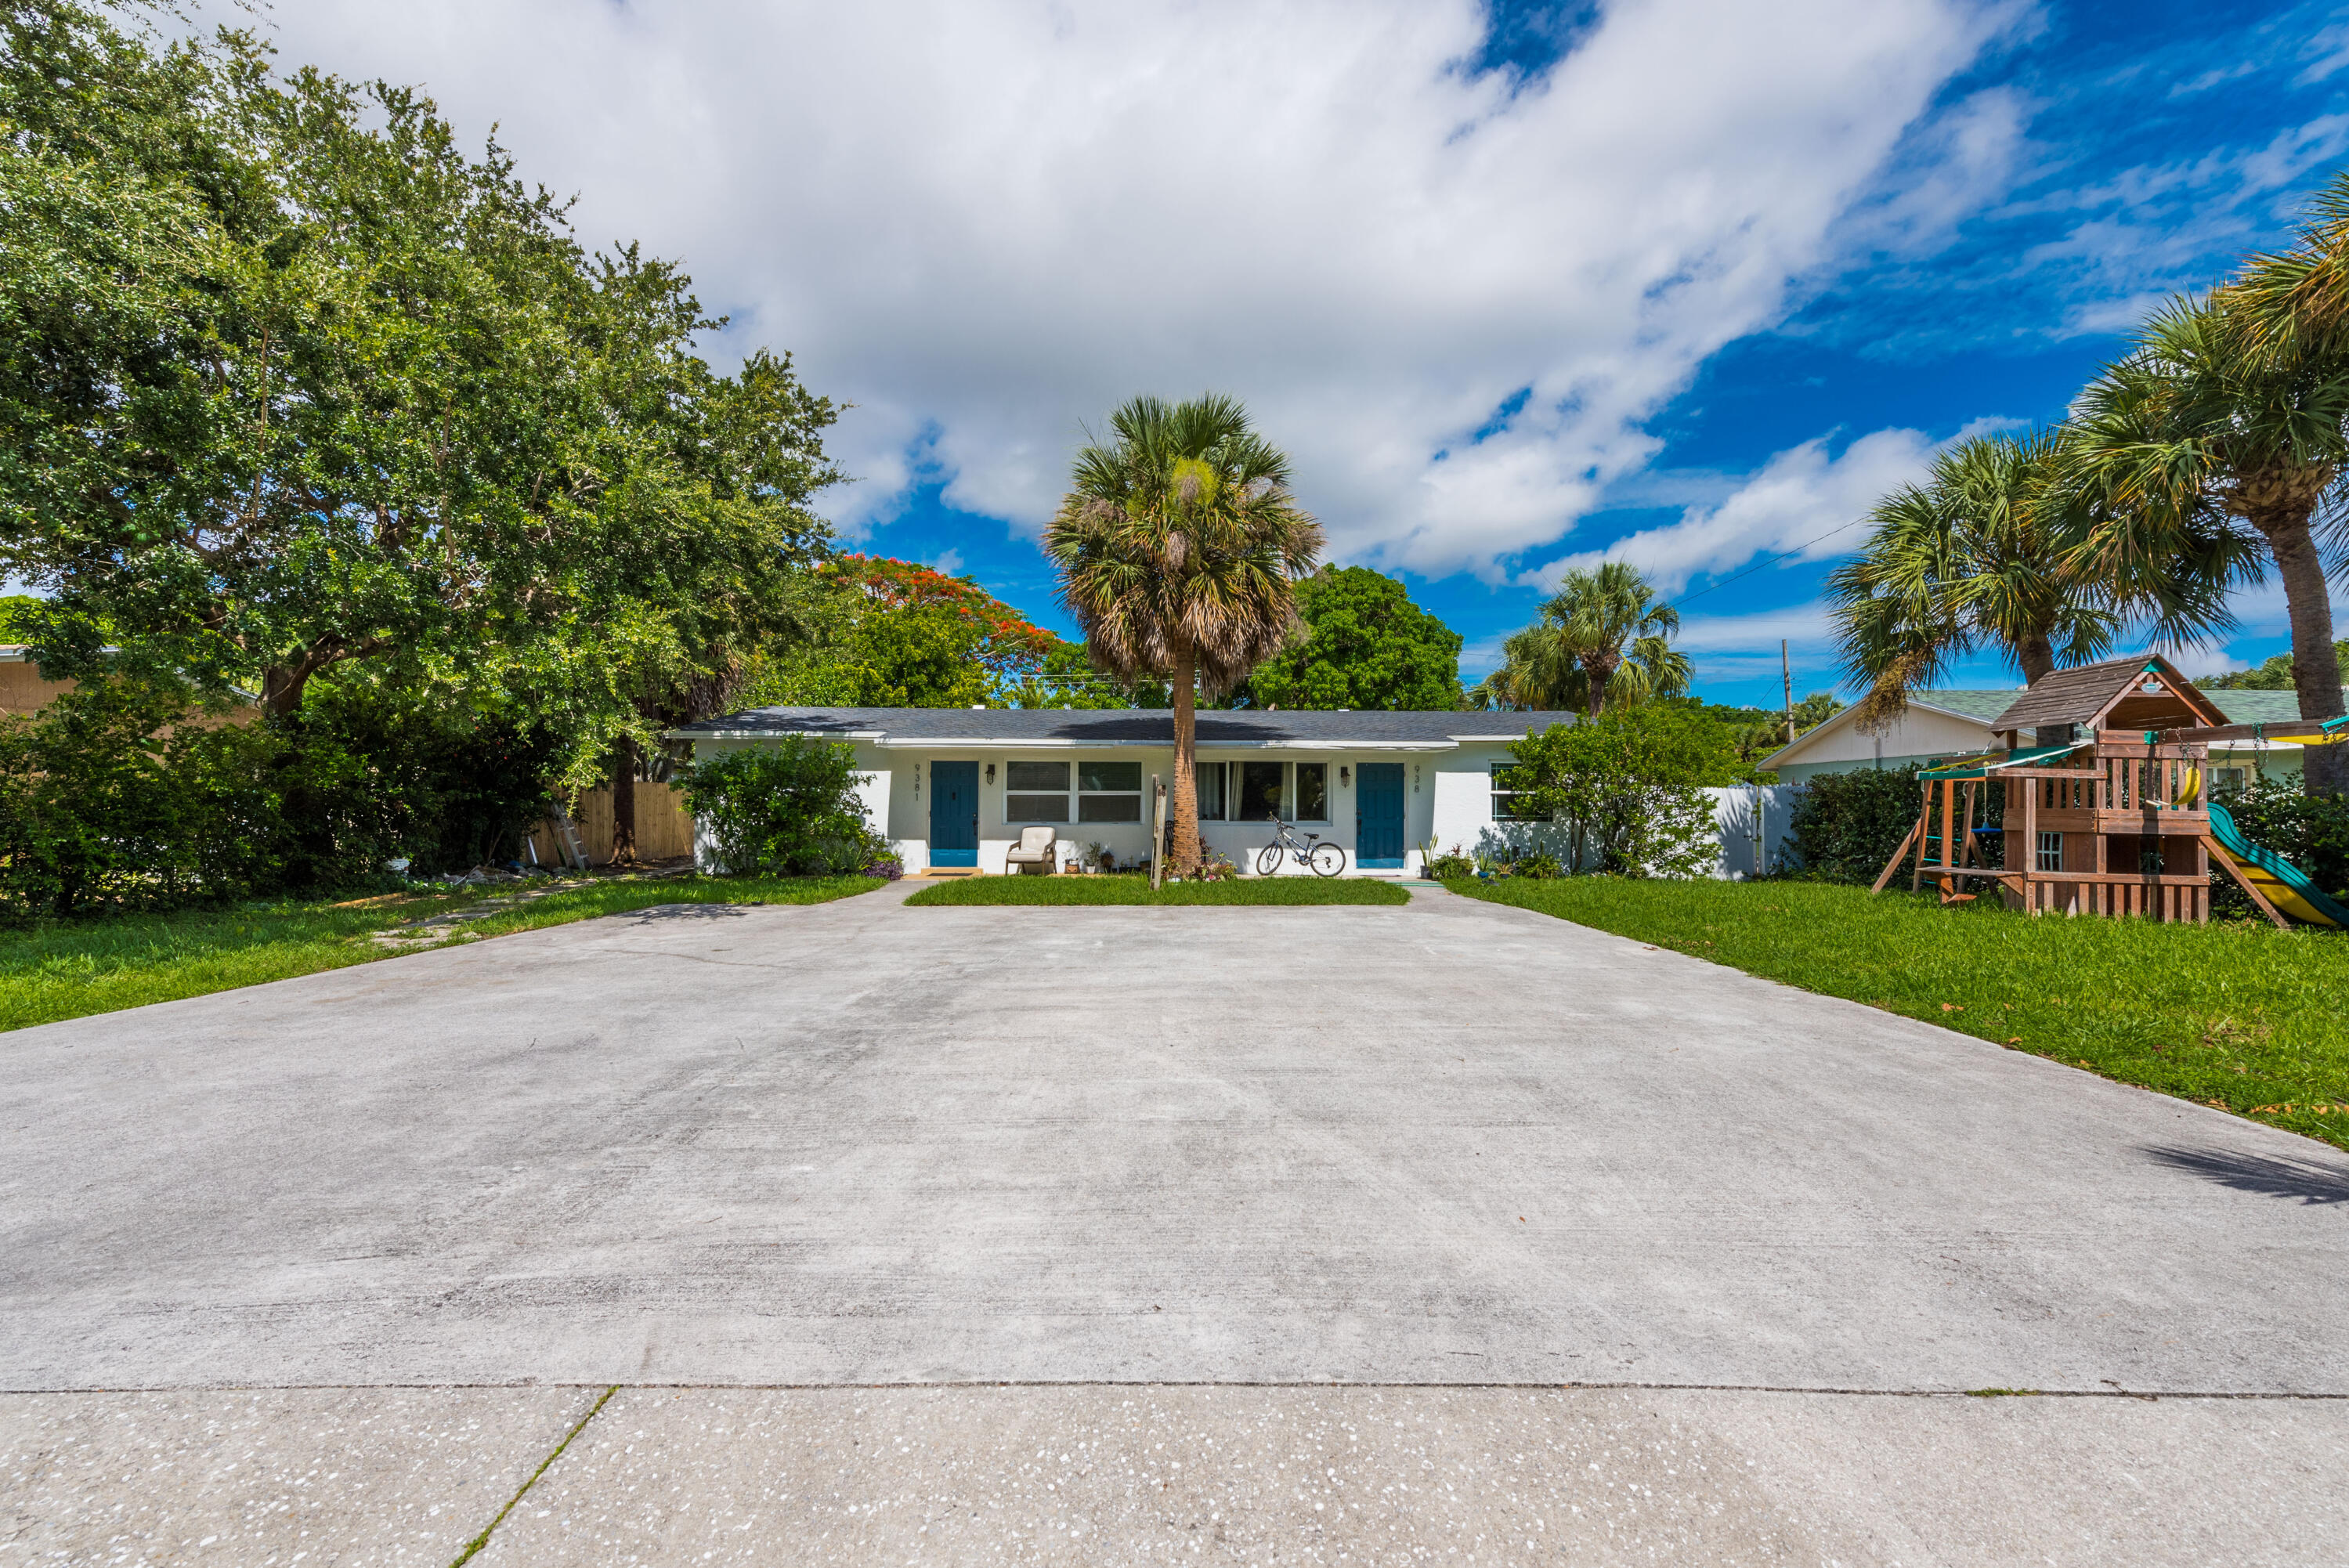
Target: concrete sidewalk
(1142,1474)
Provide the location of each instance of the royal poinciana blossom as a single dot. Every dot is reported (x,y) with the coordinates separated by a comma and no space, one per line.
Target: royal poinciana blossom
(1008,646)
(288,382)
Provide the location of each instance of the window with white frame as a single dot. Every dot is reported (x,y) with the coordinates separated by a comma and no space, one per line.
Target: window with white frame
(1509,802)
(1036,793)
(1109,793)
(1210,777)
(1258,792)
(1312,793)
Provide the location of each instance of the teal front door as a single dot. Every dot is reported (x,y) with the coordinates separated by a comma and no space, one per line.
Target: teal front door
(1378,816)
(954,813)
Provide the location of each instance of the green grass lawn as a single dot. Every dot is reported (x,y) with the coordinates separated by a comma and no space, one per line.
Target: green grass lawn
(70,970)
(1028,890)
(2241,1016)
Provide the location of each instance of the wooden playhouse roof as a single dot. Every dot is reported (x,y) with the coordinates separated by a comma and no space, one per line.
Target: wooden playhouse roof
(2112,695)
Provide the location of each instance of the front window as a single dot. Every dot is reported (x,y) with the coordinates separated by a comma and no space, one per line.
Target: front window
(2051,851)
(1312,792)
(1109,791)
(1036,793)
(1510,802)
(1211,791)
(1261,795)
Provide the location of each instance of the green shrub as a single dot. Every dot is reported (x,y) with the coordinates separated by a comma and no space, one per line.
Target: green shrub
(1845,826)
(789,809)
(117,797)
(1625,790)
(1449,866)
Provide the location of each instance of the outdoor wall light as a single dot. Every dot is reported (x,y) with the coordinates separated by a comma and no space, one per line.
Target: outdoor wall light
(990,773)
(1344,776)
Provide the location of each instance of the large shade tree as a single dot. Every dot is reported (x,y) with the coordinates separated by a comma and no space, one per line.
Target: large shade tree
(2213,448)
(1971,559)
(1179,546)
(1367,647)
(1602,640)
(290,382)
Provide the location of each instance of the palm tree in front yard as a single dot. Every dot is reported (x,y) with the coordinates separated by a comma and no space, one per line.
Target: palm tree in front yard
(1179,546)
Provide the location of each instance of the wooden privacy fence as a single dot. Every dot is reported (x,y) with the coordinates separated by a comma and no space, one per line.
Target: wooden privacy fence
(664,827)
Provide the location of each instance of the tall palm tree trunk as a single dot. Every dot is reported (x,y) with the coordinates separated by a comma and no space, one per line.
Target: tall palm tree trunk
(2315,665)
(2037,653)
(624,802)
(1595,673)
(1183,853)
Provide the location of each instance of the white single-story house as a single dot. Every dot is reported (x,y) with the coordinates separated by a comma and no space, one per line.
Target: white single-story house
(953,788)
(1943,724)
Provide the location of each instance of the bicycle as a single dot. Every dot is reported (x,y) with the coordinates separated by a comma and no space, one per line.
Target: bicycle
(1327,860)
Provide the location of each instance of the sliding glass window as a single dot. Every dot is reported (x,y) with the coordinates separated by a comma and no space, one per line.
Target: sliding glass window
(1109,791)
(1036,793)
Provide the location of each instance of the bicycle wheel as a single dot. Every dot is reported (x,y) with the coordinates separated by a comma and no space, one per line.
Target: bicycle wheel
(1328,860)
(1268,861)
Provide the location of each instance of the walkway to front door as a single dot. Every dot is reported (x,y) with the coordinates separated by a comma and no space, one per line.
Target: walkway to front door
(954,813)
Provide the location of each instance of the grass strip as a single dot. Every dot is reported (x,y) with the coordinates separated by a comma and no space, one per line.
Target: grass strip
(1127,889)
(2238,1016)
(483,1540)
(73,969)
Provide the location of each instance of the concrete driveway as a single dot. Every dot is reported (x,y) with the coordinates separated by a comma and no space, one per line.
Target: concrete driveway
(857,1143)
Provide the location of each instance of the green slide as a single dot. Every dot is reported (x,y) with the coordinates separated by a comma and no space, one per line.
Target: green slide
(2285,885)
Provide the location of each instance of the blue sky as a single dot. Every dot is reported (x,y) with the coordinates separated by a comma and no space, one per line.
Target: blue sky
(1689,282)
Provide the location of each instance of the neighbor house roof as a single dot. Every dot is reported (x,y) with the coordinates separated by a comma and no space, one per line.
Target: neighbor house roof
(1975,706)
(1311,730)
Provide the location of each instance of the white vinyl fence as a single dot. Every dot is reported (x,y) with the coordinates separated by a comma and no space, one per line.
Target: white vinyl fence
(1752,822)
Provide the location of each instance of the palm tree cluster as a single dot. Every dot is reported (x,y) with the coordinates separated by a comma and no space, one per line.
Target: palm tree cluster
(2213,451)
(1601,639)
(1179,545)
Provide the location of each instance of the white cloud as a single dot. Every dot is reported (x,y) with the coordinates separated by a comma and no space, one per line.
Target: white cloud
(984,221)
(1804,502)
(948,562)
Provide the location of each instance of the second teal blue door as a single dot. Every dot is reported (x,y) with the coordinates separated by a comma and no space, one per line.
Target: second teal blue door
(1378,816)
(954,813)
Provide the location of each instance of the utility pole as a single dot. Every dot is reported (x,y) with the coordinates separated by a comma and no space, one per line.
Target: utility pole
(1786,673)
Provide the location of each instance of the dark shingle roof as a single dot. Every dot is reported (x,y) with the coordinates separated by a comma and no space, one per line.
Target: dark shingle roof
(1122,727)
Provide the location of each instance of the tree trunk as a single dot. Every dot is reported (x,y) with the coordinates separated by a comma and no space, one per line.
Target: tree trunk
(1183,853)
(1595,673)
(2036,655)
(623,801)
(2315,665)
(281,689)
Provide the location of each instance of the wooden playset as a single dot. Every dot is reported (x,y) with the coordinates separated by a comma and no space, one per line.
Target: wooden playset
(2104,812)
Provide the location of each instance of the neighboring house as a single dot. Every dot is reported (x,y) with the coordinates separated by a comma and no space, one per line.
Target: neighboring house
(953,787)
(1941,724)
(23,691)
